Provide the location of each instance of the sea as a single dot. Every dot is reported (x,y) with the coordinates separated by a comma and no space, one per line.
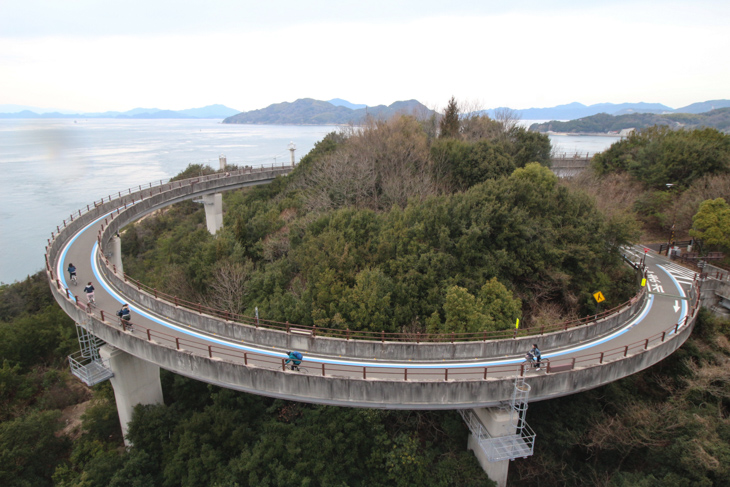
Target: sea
(52,167)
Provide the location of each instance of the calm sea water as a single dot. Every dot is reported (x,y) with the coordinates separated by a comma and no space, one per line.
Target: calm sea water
(51,168)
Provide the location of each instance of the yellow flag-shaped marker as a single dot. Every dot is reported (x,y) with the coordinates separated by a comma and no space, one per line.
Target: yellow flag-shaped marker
(643,282)
(517,325)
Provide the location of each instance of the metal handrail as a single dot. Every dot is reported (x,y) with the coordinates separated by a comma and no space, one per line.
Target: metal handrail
(382,336)
(406,374)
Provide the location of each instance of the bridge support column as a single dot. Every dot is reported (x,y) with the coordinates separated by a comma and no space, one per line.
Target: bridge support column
(213,211)
(135,382)
(117,254)
(498,423)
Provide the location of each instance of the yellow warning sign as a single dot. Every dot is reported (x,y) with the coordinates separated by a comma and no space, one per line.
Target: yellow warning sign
(599,297)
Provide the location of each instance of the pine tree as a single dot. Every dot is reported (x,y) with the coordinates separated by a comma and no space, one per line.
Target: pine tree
(450,122)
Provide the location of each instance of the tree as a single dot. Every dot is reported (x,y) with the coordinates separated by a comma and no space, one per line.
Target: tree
(30,450)
(450,121)
(659,155)
(712,223)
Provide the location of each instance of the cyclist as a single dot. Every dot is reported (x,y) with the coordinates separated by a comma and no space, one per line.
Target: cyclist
(72,272)
(535,352)
(125,316)
(89,290)
(295,358)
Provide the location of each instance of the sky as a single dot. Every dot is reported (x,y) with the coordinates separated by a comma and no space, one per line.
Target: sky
(95,56)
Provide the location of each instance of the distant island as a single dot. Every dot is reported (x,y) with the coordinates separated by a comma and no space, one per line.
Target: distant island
(307,111)
(576,110)
(604,123)
(336,111)
(210,111)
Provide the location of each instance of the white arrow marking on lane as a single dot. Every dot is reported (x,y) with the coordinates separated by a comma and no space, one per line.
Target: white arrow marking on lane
(676,305)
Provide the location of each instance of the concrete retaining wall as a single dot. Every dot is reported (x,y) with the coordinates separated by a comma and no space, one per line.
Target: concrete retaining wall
(391,394)
(361,349)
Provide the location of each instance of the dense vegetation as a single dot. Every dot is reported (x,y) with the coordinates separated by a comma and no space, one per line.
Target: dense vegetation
(604,123)
(665,426)
(459,245)
(398,227)
(661,177)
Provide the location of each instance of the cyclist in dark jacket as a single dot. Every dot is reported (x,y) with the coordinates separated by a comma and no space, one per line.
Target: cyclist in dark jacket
(536,353)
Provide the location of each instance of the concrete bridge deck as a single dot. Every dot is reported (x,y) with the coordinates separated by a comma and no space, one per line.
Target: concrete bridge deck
(365,373)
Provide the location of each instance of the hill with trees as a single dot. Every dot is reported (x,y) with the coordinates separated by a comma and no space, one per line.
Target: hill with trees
(307,111)
(399,225)
(603,123)
(413,224)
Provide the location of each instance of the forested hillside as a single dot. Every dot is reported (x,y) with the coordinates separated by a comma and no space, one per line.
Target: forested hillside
(407,225)
(307,111)
(660,178)
(398,227)
(666,426)
(604,123)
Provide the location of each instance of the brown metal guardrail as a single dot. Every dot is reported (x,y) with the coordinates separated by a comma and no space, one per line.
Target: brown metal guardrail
(382,336)
(325,369)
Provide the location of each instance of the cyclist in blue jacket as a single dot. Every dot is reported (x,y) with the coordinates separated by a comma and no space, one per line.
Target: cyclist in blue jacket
(295,358)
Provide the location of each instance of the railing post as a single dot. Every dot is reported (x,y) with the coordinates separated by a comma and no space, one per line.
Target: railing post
(314,331)
(210,352)
(176,301)
(364,374)
(287,327)
(348,332)
(626,351)
(452,337)
(200,309)
(322,369)
(177,343)
(149,337)
(245,358)
(664,334)
(646,344)
(446,375)
(382,336)
(405,374)
(418,337)
(485,373)
(102,315)
(600,361)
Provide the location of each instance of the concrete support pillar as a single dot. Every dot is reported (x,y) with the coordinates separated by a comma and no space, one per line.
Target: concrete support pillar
(135,382)
(117,254)
(213,211)
(498,423)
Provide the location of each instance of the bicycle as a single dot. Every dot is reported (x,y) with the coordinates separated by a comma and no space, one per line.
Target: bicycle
(296,368)
(531,363)
(126,325)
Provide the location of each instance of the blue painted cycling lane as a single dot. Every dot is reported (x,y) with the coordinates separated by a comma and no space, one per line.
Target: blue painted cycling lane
(244,347)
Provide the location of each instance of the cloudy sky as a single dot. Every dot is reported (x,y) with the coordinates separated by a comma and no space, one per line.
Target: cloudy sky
(94,55)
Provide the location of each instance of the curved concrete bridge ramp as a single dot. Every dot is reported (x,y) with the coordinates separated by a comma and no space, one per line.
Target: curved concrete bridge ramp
(341,371)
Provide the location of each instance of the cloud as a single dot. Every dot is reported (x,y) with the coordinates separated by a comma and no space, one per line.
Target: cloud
(520,56)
